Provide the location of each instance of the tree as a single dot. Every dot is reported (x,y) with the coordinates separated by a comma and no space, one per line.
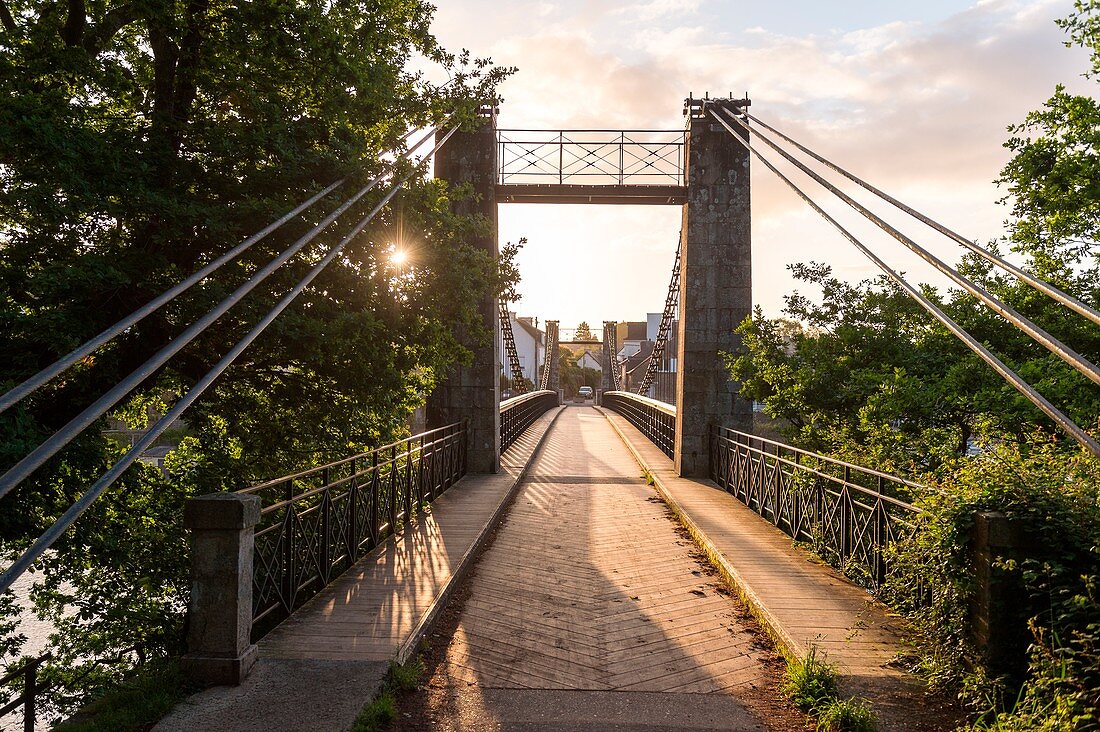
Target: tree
(870,376)
(584,333)
(138,140)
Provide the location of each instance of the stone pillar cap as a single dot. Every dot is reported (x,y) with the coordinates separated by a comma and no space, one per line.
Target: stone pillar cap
(222,511)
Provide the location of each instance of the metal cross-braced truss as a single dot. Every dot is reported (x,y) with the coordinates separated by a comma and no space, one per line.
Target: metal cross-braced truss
(664,332)
(548,379)
(591,157)
(850,514)
(317,523)
(519,384)
(611,353)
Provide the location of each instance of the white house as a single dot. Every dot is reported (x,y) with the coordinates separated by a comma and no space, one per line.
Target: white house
(590,360)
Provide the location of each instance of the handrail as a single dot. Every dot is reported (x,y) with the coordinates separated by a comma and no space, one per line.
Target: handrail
(520,412)
(669,409)
(513,401)
(826,458)
(318,522)
(359,456)
(577,129)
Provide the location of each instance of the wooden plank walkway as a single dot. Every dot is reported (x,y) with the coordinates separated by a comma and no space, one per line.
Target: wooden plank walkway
(799,599)
(590,587)
(321,665)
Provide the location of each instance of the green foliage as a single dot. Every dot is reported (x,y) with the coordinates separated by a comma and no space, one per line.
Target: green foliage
(405,677)
(141,140)
(810,681)
(1056,496)
(584,332)
(864,374)
(845,715)
(136,704)
(382,710)
(378,715)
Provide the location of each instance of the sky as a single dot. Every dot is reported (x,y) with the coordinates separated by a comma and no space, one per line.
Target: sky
(914,96)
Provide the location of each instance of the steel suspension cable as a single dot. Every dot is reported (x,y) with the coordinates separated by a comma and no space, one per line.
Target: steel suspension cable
(1038,335)
(1022,323)
(25,389)
(51,535)
(672,300)
(510,348)
(1042,286)
(972,343)
(21,470)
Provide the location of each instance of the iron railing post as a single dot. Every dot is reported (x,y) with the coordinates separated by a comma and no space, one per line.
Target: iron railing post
(289,581)
(326,529)
(393,490)
(353,514)
(375,497)
(30,690)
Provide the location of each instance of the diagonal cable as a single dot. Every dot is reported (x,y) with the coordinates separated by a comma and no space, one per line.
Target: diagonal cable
(67,519)
(21,470)
(972,343)
(1041,285)
(1022,323)
(25,389)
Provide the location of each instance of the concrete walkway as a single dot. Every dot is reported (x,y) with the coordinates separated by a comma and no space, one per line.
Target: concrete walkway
(801,601)
(592,610)
(320,666)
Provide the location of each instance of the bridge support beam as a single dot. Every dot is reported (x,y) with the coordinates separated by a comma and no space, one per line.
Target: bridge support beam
(472,393)
(715,291)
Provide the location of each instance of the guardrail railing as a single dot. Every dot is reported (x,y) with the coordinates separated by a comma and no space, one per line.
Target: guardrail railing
(26,677)
(656,420)
(317,523)
(591,157)
(843,510)
(520,412)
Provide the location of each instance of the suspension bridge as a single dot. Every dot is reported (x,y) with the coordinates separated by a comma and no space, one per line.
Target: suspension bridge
(623,561)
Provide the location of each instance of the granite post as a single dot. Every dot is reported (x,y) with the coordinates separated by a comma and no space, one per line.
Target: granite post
(220,648)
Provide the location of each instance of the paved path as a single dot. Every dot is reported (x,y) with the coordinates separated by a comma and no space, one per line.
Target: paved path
(801,601)
(320,666)
(589,588)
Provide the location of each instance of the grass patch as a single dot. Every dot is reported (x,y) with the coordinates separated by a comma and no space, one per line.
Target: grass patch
(846,715)
(810,681)
(378,715)
(137,703)
(811,684)
(649,479)
(382,709)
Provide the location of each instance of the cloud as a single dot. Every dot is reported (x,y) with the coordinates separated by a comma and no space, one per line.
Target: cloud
(919,108)
(655,9)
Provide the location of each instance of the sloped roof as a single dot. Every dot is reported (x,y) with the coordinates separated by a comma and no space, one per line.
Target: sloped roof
(530,329)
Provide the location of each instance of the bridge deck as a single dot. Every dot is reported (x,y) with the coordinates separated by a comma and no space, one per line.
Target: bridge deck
(320,666)
(591,608)
(803,602)
(591,587)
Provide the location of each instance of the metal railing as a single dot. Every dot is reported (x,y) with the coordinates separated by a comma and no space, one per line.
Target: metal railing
(30,689)
(656,420)
(317,523)
(591,157)
(843,510)
(520,412)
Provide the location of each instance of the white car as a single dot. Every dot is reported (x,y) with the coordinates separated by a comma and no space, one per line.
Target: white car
(585,392)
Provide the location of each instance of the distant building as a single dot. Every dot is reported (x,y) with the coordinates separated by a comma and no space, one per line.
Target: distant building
(629,337)
(590,359)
